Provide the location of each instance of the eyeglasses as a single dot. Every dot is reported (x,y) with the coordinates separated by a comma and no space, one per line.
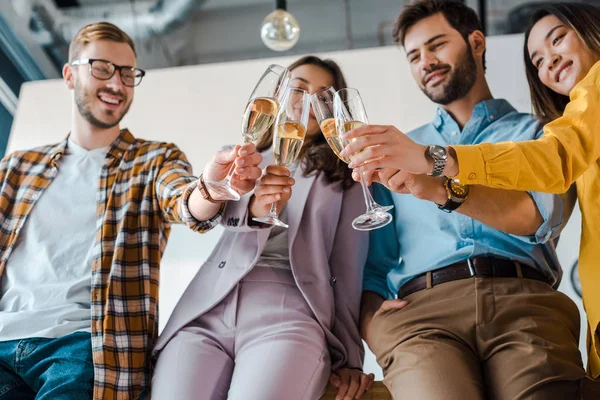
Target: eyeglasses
(104,70)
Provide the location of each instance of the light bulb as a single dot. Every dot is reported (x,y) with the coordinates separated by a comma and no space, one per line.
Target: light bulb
(280,30)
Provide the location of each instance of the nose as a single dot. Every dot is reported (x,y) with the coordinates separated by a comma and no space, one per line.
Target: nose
(428,60)
(115,82)
(554,61)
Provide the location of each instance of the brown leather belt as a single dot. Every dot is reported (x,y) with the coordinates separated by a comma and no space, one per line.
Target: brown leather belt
(478,266)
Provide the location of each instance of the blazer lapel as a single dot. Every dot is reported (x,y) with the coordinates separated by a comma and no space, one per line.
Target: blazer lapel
(300,193)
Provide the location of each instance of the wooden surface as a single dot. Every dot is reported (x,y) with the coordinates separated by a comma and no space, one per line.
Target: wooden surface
(377,392)
(591,391)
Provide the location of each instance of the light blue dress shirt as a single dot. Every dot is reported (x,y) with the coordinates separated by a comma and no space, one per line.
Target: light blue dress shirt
(423,238)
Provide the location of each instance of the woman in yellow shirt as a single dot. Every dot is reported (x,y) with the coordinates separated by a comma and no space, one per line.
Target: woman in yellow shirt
(562,58)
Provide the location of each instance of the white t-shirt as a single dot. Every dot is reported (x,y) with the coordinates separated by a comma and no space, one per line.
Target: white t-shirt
(47,281)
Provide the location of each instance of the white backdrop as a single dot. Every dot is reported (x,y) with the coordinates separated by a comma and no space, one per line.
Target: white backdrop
(200,107)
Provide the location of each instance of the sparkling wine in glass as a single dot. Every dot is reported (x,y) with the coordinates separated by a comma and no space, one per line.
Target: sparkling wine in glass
(288,138)
(349,113)
(259,115)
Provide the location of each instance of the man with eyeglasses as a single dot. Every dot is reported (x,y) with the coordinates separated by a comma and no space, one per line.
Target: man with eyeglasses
(83,225)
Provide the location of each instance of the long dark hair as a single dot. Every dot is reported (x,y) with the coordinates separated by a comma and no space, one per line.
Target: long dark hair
(316,154)
(584,20)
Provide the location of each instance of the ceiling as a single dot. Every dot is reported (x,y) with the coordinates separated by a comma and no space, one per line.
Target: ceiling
(216,30)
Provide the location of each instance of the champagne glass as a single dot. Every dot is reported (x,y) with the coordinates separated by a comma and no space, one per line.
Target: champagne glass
(260,113)
(290,130)
(349,113)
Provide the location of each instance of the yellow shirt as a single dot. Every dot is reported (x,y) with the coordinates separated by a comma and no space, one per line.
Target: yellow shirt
(569,151)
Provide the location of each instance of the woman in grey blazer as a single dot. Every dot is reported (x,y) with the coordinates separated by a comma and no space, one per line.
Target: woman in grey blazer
(273,312)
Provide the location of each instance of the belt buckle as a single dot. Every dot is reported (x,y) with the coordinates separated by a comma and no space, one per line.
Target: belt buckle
(471,269)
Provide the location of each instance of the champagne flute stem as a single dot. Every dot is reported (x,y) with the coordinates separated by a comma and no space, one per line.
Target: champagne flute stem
(230,173)
(273,210)
(369,202)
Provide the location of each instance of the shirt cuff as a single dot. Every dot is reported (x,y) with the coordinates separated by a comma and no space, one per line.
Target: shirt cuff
(188,218)
(471,165)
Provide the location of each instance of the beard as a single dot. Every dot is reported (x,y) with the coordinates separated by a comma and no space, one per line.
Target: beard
(84,100)
(461,80)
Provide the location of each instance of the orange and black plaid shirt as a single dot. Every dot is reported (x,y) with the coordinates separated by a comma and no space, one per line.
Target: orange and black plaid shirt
(143,189)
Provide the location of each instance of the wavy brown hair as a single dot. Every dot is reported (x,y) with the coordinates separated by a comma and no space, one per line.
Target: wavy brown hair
(584,19)
(316,155)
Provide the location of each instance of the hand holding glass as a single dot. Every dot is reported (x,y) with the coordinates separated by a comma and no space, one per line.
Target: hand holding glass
(338,113)
(260,113)
(288,138)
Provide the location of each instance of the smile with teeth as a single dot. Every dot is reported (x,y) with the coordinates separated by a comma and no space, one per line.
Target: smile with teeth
(564,71)
(109,99)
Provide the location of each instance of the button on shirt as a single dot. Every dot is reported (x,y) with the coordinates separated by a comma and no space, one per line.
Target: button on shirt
(423,238)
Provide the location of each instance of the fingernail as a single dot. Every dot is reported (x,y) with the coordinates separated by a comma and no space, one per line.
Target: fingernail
(287,190)
(241,169)
(243,152)
(343,153)
(351,165)
(290,181)
(241,162)
(277,197)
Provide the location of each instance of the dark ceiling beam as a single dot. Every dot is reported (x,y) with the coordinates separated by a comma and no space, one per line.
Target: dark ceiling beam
(67,3)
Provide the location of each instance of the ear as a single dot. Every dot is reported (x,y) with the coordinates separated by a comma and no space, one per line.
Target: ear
(477,42)
(68,76)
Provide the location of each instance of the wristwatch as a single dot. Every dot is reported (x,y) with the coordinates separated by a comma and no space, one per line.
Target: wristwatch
(457,194)
(204,191)
(439,156)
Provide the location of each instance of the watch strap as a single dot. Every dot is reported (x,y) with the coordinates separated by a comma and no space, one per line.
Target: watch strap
(204,191)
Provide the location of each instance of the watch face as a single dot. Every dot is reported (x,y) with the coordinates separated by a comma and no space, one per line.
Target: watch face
(458,189)
(437,152)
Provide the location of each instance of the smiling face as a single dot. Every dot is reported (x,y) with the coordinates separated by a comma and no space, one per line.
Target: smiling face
(102,103)
(561,58)
(312,79)
(441,61)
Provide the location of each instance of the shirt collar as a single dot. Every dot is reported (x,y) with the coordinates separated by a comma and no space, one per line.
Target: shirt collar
(488,110)
(117,149)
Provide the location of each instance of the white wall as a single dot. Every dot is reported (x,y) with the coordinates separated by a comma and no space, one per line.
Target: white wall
(200,108)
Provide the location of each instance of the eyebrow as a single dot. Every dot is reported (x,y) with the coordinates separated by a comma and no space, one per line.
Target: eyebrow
(302,80)
(546,38)
(433,39)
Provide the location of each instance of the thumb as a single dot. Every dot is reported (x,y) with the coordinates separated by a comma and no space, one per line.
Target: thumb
(396,304)
(410,181)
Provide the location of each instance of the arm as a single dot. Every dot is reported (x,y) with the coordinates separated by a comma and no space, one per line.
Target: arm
(570,145)
(535,216)
(177,192)
(383,256)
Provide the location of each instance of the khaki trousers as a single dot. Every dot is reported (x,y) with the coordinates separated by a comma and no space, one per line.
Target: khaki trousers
(481,338)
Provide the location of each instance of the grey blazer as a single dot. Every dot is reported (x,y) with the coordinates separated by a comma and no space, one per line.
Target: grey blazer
(327,257)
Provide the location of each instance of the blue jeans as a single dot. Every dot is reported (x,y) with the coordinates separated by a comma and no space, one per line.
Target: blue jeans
(47,369)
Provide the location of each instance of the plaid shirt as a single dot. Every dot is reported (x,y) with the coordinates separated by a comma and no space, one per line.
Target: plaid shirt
(143,188)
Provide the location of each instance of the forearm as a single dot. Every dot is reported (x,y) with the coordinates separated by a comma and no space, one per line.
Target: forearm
(369,304)
(511,212)
(201,209)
